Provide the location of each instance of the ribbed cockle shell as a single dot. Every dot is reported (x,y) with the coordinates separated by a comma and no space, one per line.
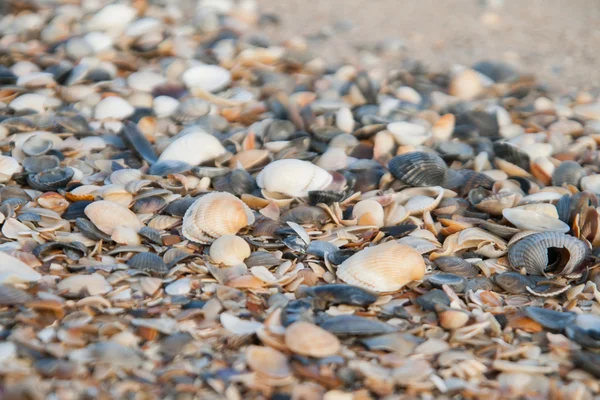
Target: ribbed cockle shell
(383,268)
(214,215)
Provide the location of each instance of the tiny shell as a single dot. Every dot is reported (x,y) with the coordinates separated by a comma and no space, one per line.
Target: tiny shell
(229,250)
(369,212)
(113,108)
(210,78)
(214,215)
(107,216)
(293,177)
(383,268)
(310,340)
(194,148)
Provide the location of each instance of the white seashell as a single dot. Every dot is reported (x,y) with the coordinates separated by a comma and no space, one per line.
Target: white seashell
(142,26)
(24,68)
(591,182)
(408,94)
(333,159)
(113,17)
(239,326)
(293,177)
(444,127)
(36,79)
(194,148)
(466,85)
(8,352)
(179,287)
(113,107)
(210,78)
(145,81)
(534,221)
(345,120)
(164,106)
(229,250)
(150,285)
(214,215)
(124,176)
(34,101)
(99,41)
(13,270)
(369,212)
(383,268)
(8,167)
(126,236)
(93,285)
(107,216)
(544,208)
(409,134)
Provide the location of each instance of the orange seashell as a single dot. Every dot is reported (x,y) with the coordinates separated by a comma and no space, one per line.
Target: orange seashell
(310,340)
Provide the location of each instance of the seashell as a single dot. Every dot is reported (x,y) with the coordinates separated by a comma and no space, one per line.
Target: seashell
(568,173)
(419,169)
(36,145)
(229,250)
(194,149)
(150,285)
(550,319)
(113,107)
(210,78)
(84,285)
(310,340)
(512,154)
(180,287)
(549,254)
(145,81)
(107,216)
(466,85)
(190,110)
(13,270)
(444,127)
(339,294)
(138,142)
(73,250)
(493,204)
(353,325)
(305,215)
(126,236)
(10,296)
(30,101)
(51,179)
(40,163)
(409,134)
(294,178)
(383,268)
(268,362)
(124,176)
(111,17)
(8,167)
(214,215)
(323,196)
(451,318)
(369,213)
(164,106)
(534,221)
(148,262)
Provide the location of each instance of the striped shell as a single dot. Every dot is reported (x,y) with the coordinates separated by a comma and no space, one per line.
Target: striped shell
(383,268)
(294,178)
(568,172)
(214,215)
(548,253)
(419,169)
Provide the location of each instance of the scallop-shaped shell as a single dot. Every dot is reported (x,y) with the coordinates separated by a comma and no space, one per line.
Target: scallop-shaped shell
(369,212)
(194,148)
(549,254)
(535,221)
(229,250)
(591,182)
(8,167)
(310,340)
(113,108)
(293,177)
(407,133)
(383,268)
(210,78)
(569,173)
(268,362)
(107,216)
(214,215)
(419,169)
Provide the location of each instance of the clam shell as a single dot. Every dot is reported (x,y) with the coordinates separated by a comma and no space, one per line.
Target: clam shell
(294,178)
(51,179)
(214,215)
(409,134)
(369,212)
(268,362)
(194,149)
(8,167)
(534,221)
(310,340)
(549,254)
(13,270)
(419,169)
(107,216)
(113,107)
(210,78)
(383,268)
(568,173)
(229,250)
(148,262)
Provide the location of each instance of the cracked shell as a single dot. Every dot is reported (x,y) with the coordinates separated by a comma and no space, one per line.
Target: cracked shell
(383,268)
(214,215)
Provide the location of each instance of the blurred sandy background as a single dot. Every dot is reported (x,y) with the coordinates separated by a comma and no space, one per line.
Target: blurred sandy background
(559,40)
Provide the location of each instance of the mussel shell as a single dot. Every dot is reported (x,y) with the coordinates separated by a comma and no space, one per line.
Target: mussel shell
(565,254)
(13,192)
(151,234)
(563,207)
(51,179)
(75,210)
(210,172)
(554,320)
(457,266)
(569,173)
(456,282)
(353,325)
(319,248)
(398,231)
(587,361)
(512,154)
(138,142)
(164,168)
(514,282)
(309,215)
(73,250)
(324,196)
(149,205)
(89,230)
(238,182)
(419,169)
(178,207)
(148,262)
(40,163)
(429,300)
(341,294)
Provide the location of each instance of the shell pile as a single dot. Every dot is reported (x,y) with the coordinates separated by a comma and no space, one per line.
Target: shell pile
(189,210)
